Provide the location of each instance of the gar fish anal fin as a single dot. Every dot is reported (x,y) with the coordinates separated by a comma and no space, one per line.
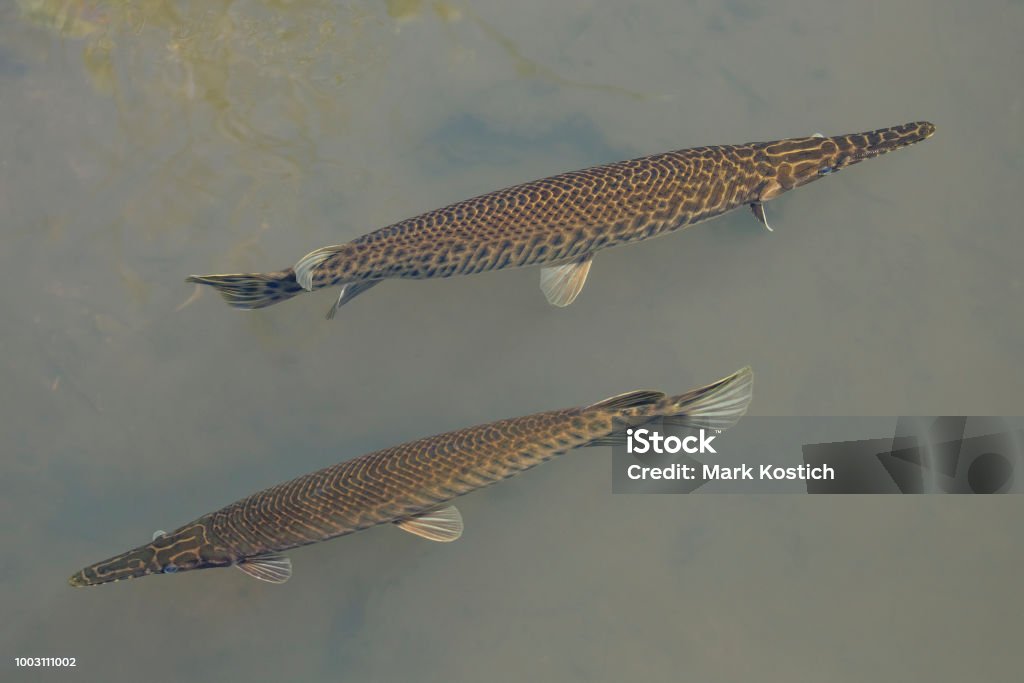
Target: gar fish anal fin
(272,567)
(758,210)
(349,292)
(562,284)
(443,525)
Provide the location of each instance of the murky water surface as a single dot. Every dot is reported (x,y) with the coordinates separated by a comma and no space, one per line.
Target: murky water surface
(145,141)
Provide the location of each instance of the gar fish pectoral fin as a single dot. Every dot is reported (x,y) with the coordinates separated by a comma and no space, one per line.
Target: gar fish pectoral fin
(757,208)
(272,567)
(349,292)
(718,405)
(561,284)
(443,525)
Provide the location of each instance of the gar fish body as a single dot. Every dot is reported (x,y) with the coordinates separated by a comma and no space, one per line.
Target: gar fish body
(560,222)
(409,485)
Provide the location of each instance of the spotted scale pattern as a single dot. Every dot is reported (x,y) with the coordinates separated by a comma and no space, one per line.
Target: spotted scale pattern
(553,220)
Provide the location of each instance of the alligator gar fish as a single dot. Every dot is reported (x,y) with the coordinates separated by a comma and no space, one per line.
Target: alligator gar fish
(408,485)
(560,222)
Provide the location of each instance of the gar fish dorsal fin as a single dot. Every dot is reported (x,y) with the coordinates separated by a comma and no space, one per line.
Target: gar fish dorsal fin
(310,262)
(631,399)
(443,525)
(272,567)
(562,284)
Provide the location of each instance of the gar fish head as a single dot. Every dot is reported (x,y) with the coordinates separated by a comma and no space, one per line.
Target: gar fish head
(182,550)
(787,164)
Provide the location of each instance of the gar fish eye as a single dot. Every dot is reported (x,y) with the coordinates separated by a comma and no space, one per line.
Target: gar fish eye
(170,569)
(825,170)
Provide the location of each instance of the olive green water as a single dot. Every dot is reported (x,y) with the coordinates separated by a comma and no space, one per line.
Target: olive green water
(145,141)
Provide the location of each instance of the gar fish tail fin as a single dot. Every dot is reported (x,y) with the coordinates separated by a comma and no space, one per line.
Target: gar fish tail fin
(718,405)
(252,290)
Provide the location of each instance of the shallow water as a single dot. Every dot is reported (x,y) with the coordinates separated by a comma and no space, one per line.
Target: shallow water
(143,142)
